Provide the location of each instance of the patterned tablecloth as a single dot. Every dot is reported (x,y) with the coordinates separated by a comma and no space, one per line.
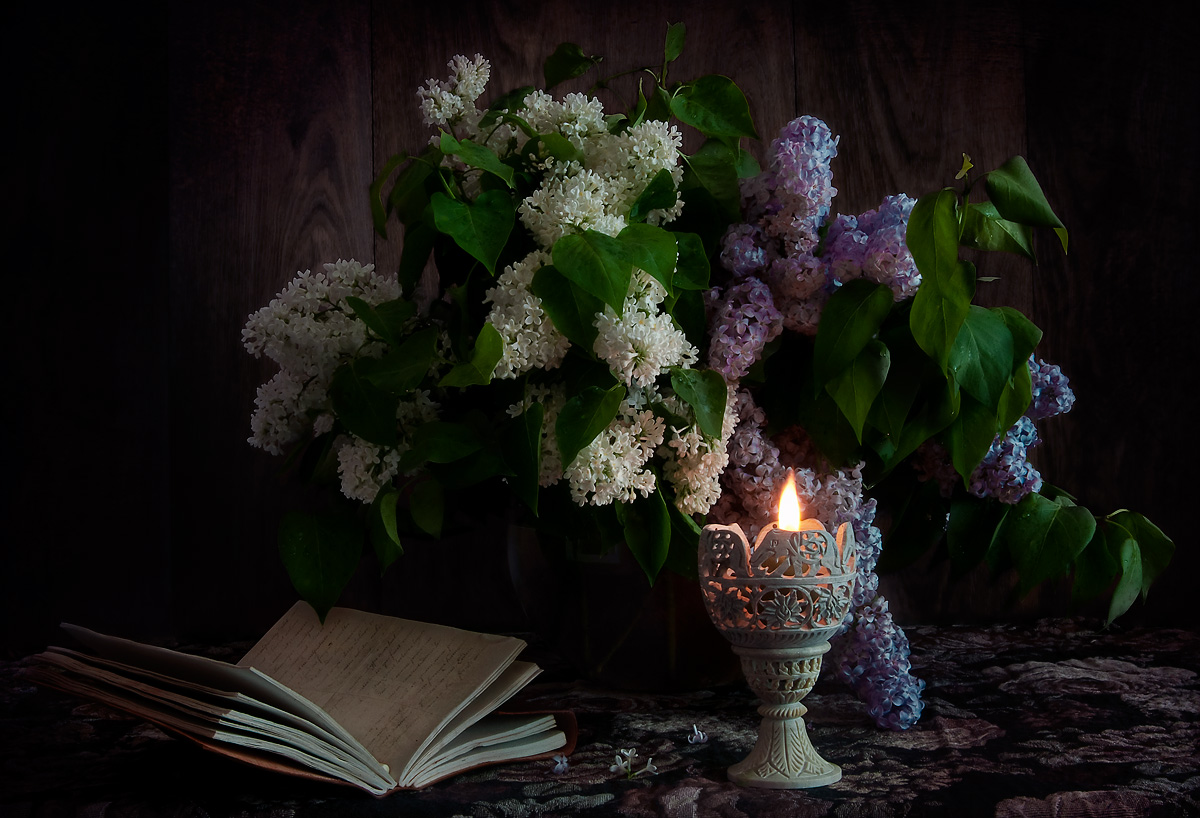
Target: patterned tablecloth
(1055,718)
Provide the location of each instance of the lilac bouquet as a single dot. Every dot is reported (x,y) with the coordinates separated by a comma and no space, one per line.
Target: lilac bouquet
(625,340)
(859,361)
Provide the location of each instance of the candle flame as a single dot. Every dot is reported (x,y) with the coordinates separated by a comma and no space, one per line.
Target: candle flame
(789,505)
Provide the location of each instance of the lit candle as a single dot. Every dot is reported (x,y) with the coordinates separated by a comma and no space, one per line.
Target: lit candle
(790,518)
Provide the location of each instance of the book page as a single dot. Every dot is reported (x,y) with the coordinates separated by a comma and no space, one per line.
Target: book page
(392,683)
(514,677)
(205,729)
(217,710)
(217,675)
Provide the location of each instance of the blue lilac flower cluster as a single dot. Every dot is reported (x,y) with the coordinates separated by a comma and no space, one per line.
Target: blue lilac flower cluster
(1052,394)
(1005,472)
(782,276)
(872,655)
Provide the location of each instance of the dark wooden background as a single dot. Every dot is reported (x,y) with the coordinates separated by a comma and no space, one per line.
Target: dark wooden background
(173,169)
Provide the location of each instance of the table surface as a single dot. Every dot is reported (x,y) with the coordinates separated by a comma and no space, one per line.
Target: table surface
(1053,718)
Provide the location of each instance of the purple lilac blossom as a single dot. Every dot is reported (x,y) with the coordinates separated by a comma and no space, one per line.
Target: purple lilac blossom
(1005,472)
(1052,393)
(744,251)
(801,156)
(872,656)
(741,327)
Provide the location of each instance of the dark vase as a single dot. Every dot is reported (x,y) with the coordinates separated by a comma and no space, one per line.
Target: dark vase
(614,628)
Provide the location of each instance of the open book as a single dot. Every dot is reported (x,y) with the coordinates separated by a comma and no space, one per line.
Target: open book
(374,701)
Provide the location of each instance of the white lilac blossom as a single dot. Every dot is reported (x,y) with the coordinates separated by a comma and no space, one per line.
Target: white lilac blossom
(309,330)
(615,466)
(551,399)
(623,764)
(571,199)
(597,191)
(641,343)
(364,467)
(695,463)
(697,736)
(529,337)
(561,764)
(445,102)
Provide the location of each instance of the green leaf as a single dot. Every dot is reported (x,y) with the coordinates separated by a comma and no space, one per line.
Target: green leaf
(321,553)
(1044,537)
(1155,547)
(363,408)
(947,285)
(688,314)
(1129,558)
(851,318)
(659,194)
(856,387)
(567,62)
(747,165)
(597,263)
(379,209)
(652,249)
(571,308)
(585,416)
(919,522)
(1096,566)
(981,358)
(705,391)
(1014,400)
(419,239)
(908,370)
(692,268)
(647,526)
(409,196)
(385,537)
(523,452)
(1018,197)
(489,348)
(715,106)
(427,506)
(714,168)
(675,37)
(560,147)
(440,441)
(972,530)
(477,156)
(481,228)
(970,436)
(366,313)
(1025,334)
(985,229)
(402,369)
(512,100)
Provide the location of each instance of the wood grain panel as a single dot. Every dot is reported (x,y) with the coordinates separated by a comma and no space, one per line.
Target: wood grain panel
(1114,121)
(271,156)
(279,114)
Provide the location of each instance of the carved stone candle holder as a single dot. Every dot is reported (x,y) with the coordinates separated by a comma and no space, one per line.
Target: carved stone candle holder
(778,603)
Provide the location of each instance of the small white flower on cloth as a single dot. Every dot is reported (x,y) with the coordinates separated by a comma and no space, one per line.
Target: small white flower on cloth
(560,764)
(698,736)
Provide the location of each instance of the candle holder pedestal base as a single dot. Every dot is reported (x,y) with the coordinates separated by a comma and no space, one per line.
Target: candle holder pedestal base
(783,757)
